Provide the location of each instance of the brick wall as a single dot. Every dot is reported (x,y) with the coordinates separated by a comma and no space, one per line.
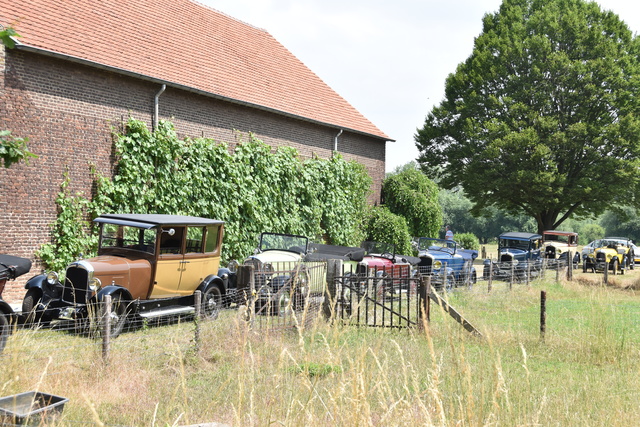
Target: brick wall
(68,110)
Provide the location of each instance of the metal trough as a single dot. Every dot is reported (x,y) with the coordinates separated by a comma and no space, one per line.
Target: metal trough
(30,406)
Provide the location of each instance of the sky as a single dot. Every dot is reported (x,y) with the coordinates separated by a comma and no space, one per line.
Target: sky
(389,59)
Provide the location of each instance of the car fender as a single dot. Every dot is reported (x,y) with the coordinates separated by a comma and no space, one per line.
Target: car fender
(39,282)
(229,278)
(212,280)
(113,290)
(5,308)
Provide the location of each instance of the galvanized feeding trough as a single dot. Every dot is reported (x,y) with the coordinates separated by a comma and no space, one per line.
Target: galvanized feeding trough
(30,407)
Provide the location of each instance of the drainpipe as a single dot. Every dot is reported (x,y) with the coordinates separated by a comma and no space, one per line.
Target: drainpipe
(154,125)
(335,141)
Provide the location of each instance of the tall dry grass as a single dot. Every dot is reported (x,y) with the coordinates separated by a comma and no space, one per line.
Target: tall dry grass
(585,372)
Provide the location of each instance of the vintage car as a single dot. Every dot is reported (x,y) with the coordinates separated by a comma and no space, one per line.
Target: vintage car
(283,278)
(518,256)
(10,268)
(558,243)
(611,253)
(150,265)
(447,263)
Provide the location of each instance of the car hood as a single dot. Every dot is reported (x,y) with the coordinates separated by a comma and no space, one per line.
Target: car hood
(277,256)
(516,253)
(112,269)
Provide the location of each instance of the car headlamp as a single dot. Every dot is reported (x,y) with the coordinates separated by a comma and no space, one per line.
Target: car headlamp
(52,277)
(233,266)
(95,284)
(515,262)
(437,265)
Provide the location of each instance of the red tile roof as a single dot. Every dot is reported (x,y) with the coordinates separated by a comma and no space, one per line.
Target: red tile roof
(186,44)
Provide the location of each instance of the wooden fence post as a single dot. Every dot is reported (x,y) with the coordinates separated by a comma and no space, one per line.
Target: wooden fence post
(106,329)
(246,290)
(569,267)
(490,281)
(198,307)
(606,273)
(334,270)
(423,307)
(543,314)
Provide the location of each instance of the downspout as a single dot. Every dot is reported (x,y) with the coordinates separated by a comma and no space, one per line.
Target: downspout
(335,141)
(154,124)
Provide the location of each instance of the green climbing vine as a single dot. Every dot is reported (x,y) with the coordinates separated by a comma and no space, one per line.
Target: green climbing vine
(253,189)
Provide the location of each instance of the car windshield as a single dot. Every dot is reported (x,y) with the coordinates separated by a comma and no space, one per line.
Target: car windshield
(569,239)
(127,237)
(426,243)
(514,244)
(610,242)
(286,242)
(378,248)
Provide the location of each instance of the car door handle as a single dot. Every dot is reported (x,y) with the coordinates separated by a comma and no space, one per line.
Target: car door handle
(184,262)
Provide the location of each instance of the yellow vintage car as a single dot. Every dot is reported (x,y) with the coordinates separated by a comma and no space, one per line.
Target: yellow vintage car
(611,253)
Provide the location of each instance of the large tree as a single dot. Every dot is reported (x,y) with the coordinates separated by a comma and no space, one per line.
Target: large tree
(543,118)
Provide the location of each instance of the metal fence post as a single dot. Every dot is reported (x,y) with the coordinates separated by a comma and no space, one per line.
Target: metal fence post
(198,306)
(106,329)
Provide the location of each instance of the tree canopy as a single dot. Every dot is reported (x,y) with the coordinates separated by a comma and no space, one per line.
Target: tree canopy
(543,118)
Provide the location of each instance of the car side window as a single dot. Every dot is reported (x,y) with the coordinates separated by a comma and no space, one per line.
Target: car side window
(171,244)
(213,235)
(195,237)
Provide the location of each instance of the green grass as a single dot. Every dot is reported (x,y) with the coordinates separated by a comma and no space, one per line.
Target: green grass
(583,373)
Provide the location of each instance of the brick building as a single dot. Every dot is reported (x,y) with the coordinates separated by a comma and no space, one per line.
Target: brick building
(81,68)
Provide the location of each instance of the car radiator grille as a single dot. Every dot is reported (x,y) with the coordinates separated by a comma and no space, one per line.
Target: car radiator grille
(76,285)
(601,257)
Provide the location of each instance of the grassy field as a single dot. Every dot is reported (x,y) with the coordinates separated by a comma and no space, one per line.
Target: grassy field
(585,371)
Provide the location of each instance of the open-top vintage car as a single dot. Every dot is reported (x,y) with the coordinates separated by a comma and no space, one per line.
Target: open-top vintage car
(283,279)
(557,244)
(10,268)
(150,265)
(518,256)
(611,253)
(447,263)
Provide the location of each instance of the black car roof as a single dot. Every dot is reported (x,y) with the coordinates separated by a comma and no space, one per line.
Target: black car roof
(153,220)
(519,235)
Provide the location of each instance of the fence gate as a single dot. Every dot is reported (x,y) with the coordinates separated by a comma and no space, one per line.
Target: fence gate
(377,300)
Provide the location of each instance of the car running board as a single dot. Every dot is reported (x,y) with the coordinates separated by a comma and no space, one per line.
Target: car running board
(169,311)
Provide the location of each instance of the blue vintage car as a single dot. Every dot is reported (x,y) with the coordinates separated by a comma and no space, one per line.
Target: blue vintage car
(447,263)
(519,254)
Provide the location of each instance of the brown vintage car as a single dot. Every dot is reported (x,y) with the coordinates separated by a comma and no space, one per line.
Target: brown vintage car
(150,264)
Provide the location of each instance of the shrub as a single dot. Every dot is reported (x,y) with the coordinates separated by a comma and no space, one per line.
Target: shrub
(467,240)
(386,227)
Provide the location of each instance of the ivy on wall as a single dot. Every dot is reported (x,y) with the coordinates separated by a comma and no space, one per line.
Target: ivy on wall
(253,189)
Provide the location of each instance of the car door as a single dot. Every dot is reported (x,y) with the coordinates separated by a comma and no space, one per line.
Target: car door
(201,257)
(170,262)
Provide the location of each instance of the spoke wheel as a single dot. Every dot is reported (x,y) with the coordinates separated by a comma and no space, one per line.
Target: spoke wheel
(30,304)
(117,317)
(211,303)
(614,266)
(283,303)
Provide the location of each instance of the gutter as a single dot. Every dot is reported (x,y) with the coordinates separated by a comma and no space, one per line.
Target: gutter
(154,124)
(92,64)
(335,141)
